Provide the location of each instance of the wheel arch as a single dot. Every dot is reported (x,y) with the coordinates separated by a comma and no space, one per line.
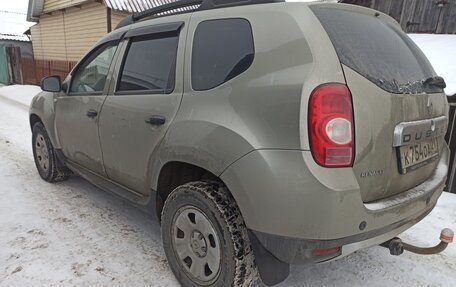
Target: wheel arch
(175,173)
(33,119)
(42,110)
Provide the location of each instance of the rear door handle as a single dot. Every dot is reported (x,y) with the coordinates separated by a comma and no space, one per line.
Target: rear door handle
(92,114)
(156,120)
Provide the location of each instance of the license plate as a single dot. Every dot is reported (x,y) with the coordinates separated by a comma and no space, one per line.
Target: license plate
(417,155)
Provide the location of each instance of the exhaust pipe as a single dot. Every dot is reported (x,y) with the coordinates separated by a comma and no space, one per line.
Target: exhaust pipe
(396,246)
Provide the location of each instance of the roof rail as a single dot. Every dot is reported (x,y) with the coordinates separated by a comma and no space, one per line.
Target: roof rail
(190,7)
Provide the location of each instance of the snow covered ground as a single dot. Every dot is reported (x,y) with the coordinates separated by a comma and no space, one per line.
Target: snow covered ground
(21,95)
(441,51)
(74,234)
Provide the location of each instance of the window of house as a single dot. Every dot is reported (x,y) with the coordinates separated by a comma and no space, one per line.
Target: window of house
(222,50)
(90,77)
(150,64)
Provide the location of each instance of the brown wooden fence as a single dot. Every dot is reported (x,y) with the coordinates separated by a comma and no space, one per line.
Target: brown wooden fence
(34,70)
(417,16)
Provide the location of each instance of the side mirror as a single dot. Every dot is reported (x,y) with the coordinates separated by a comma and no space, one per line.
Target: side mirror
(51,84)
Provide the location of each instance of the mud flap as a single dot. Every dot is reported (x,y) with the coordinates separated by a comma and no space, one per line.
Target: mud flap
(272,270)
(60,158)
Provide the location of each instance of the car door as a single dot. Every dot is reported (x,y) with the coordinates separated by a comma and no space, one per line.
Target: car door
(143,101)
(78,109)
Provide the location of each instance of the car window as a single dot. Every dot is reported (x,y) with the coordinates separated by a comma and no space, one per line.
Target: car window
(91,76)
(150,64)
(376,49)
(222,50)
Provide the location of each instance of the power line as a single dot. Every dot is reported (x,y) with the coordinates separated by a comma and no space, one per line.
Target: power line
(12,12)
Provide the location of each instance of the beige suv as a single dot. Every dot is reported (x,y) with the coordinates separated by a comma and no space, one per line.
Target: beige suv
(261,134)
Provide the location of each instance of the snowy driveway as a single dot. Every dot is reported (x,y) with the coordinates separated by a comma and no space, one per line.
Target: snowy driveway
(74,234)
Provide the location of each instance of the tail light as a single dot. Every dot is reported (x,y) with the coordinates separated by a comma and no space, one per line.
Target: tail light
(331,129)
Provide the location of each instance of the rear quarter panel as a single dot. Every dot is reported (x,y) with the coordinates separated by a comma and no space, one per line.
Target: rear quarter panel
(266,106)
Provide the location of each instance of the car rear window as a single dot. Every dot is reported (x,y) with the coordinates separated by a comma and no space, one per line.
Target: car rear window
(378,50)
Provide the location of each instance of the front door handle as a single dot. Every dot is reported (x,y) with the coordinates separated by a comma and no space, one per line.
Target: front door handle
(156,120)
(92,114)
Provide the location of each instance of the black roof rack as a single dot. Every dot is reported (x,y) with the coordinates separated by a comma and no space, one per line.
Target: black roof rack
(188,6)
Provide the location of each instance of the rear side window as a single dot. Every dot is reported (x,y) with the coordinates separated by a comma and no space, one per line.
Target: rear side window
(222,50)
(378,50)
(149,65)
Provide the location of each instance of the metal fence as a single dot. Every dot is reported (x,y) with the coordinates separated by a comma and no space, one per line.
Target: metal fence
(17,69)
(34,70)
(4,78)
(28,71)
(417,16)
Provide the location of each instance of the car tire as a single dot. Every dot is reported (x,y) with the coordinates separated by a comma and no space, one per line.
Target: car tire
(205,238)
(45,157)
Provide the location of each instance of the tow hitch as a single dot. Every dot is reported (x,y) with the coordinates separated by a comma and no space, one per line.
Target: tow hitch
(397,247)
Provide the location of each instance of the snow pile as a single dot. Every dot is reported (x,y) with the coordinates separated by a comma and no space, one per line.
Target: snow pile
(22,94)
(441,52)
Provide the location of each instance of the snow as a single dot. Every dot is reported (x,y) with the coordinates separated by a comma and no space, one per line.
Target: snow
(20,94)
(74,234)
(441,52)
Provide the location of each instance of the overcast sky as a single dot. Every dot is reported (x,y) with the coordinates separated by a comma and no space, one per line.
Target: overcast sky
(14,5)
(13,23)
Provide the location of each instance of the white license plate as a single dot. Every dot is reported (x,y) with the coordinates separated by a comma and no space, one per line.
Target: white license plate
(417,155)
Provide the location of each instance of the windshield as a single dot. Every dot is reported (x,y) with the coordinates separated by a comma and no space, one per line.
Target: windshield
(378,50)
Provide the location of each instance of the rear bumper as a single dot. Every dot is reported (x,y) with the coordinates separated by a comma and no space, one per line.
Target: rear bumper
(293,206)
(300,251)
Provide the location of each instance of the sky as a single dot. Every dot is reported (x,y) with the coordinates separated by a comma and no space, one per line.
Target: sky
(14,5)
(13,23)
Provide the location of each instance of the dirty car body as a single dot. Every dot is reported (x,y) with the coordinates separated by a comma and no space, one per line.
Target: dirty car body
(319,123)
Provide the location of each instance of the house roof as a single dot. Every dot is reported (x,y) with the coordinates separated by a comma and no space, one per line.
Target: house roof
(13,25)
(10,37)
(35,9)
(133,5)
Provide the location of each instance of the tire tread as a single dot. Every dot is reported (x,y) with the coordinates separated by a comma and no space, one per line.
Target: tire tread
(57,172)
(217,193)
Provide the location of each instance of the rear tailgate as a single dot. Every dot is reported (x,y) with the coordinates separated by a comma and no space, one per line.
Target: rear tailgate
(400,122)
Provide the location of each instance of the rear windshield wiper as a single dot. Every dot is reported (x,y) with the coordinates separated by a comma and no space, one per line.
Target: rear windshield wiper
(436,81)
